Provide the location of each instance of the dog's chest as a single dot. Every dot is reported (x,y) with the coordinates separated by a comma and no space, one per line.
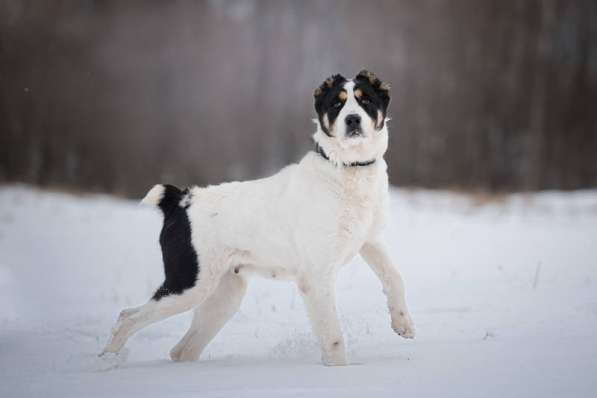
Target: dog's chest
(359,204)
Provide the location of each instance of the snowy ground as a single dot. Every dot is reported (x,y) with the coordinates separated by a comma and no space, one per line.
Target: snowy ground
(504,297)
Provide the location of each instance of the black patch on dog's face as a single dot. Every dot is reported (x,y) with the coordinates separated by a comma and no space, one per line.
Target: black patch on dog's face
(373,96)
(330,97)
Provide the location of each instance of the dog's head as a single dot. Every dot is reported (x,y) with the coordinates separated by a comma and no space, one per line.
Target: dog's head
(351,117)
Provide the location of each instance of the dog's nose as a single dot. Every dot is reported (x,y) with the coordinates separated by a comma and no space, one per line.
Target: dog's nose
(353,122)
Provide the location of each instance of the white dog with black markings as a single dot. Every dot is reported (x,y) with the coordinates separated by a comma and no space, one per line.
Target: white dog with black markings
(301,224)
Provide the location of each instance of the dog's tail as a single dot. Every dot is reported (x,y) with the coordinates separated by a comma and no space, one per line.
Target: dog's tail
(166,197)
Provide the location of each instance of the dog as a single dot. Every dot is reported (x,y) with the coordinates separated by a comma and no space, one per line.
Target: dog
(302,224)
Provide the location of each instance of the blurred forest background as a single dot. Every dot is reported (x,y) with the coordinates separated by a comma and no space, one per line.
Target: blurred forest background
(114,96)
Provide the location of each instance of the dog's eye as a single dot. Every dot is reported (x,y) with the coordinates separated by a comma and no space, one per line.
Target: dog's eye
(365,101)
(337,104)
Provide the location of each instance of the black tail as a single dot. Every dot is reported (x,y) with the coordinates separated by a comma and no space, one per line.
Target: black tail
(181,263)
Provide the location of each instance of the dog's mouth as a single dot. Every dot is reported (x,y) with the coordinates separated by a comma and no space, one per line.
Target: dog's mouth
(355,132)
(354,141)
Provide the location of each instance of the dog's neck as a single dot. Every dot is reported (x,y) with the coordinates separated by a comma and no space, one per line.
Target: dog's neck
(318,149)
(351,154)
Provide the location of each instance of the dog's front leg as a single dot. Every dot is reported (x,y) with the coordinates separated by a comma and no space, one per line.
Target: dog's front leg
(376,255)
(320,302)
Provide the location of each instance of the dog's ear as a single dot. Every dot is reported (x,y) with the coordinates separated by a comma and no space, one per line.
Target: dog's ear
(373,80)
(381,89)
(379,93)
(327,85)
(325,97)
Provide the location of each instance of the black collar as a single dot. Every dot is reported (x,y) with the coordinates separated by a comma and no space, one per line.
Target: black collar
(324,155)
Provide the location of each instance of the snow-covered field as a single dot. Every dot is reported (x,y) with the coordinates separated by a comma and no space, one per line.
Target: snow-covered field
(503,294)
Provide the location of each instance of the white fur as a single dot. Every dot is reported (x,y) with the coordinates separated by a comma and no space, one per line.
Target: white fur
(301,224)
(154,195)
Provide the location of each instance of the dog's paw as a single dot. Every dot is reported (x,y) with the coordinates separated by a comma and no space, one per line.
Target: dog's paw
(183,355)
(403,325)
(334,361)
(175,353)
(110,360)
(334,355)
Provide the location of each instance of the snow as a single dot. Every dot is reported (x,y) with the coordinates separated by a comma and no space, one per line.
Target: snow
(503,294)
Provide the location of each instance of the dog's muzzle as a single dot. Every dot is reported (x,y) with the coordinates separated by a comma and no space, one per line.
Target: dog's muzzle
(353,125)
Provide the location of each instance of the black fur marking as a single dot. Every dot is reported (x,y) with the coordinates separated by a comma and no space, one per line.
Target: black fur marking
(327,100)
(375,95)
(319,150)
(181,263)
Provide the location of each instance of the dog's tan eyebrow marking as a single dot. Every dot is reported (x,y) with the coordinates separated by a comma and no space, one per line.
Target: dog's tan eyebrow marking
(358,93)
(343,95)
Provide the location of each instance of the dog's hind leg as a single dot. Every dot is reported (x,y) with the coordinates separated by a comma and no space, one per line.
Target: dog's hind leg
(158,308)
(210,317)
